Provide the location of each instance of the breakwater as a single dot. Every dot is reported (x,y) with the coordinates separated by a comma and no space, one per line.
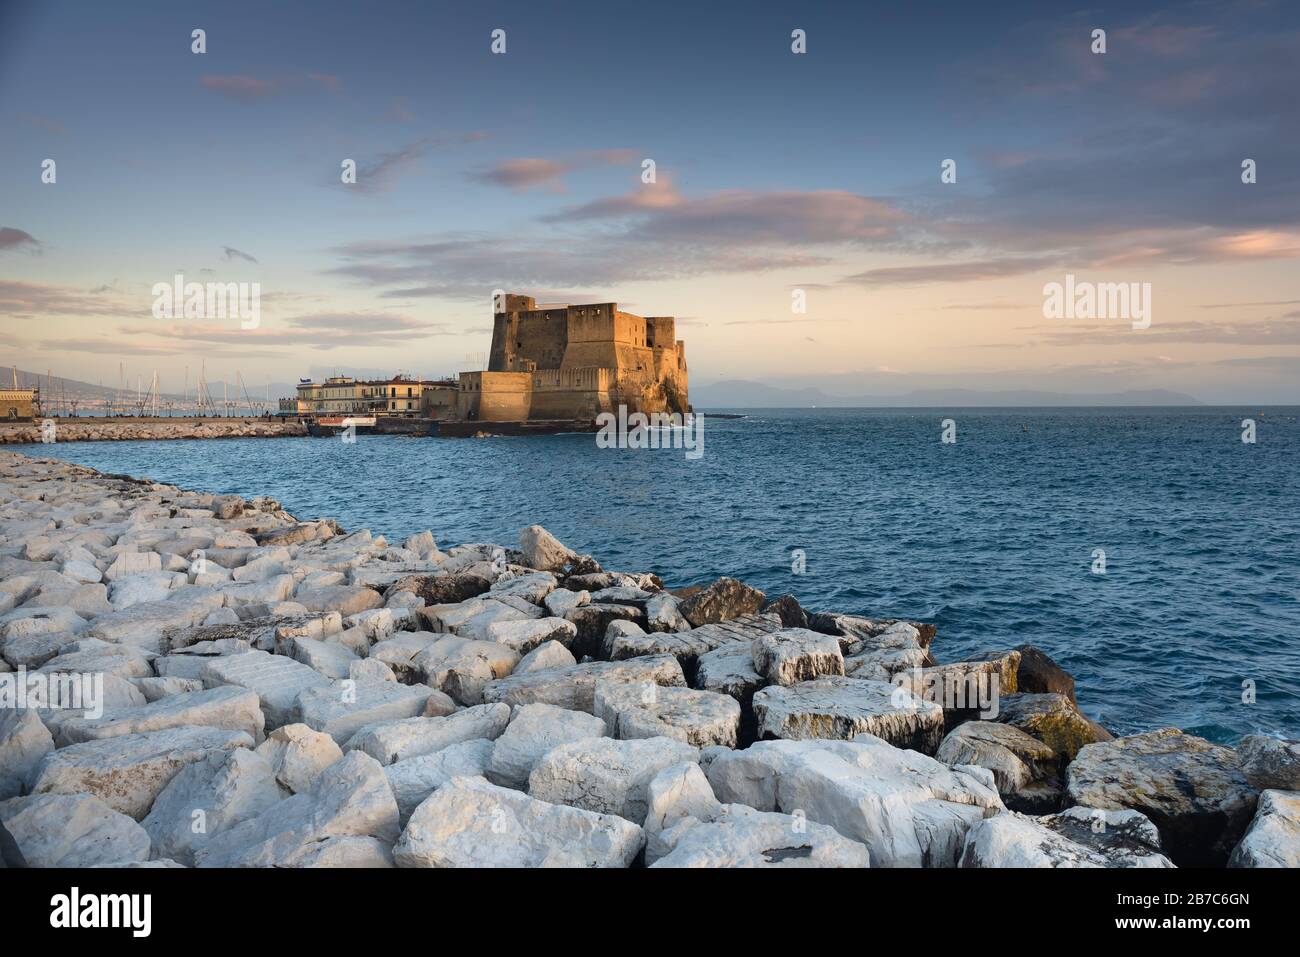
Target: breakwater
(331,697)
(95,429)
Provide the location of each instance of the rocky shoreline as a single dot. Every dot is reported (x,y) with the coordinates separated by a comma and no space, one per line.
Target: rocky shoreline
(122,430)
(277,692)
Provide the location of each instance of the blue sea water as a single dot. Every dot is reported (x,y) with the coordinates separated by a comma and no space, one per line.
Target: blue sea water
(992,537)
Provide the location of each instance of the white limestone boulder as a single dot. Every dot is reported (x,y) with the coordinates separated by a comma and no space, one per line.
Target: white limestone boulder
(462,667)
(297,755)
(148,624)
(133,563)
(72,830)
(155,689)
(544,657)
(1269,763)
(677,792)
(575,687)
(1077,837)
(416,778)
(908,809)
(605,775)
(474,617)
(471,822)
(330,658)
(370,668)
(400,651)
(1026,770)
(345,599)
(344,707)
(1273,838)
(662,613)
(562,601)
(276,680)
(729,670)
(535,729)
(207,797)
(792,655)
(351,798)
(128,772)
(532,587)
(524,635)
(543,551)
(835,707)
(646,710)
(391,741)
(739,836)
(351,851)
(228,708)
(89,657)
(24,742)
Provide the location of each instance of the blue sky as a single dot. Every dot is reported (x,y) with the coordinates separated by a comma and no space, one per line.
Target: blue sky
(775,171)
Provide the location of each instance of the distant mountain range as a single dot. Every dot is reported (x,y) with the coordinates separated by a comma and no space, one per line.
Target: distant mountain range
(733,393)
(743,394)
(89,394)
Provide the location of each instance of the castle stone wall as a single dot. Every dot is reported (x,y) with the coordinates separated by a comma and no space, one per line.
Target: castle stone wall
(577,360)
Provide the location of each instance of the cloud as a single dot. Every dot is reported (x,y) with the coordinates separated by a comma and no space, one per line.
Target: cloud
(996,304)
(366,322)
(651,234)
(245,89)
(381,174)
(530,172)
(469,268)
(1269,333)
(11,238)
(1120,171)
(789,218)
(29,300)
(398,112)
(116,346)
(1250,305)
(323,331)
(230,253)
(326,80)
(948,272)
(779,322)
(42,123)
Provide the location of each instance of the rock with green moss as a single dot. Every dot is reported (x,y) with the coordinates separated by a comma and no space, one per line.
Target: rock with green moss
(1052,719)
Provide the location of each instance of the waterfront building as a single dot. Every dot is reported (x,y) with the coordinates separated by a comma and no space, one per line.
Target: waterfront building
(19,405)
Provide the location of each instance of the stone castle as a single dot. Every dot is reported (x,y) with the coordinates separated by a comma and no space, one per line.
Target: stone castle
(574,362)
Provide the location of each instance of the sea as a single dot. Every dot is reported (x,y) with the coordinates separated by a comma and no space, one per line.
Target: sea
(1152,552)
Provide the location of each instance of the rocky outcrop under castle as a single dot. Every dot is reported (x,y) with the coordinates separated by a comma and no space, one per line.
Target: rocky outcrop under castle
(324,698)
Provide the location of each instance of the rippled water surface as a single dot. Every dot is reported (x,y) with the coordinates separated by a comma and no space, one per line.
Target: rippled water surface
(992,538)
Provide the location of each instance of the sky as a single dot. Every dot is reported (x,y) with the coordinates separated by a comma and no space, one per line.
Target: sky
(777,176)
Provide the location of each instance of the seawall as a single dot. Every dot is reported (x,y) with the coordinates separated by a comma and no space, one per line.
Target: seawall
(123,429)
